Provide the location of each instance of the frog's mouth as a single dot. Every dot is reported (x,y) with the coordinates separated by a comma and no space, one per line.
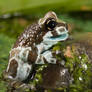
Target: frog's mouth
(61,35)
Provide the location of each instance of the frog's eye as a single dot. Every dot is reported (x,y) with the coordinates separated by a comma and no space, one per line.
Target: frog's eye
(50,24)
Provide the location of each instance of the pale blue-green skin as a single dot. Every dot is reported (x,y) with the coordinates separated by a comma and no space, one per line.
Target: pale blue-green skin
(60,37)
(50,41)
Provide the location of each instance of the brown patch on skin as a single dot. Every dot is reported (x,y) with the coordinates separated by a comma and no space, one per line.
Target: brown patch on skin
(59,24)
(68,52)
(40,35)
(13,68)
(32,57)
(54,33)
(45,61)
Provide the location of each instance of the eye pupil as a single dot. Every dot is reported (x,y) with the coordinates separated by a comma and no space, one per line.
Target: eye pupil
(50,24)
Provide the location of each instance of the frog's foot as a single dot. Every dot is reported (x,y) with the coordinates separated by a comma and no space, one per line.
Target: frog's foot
(21,86)
(27,86)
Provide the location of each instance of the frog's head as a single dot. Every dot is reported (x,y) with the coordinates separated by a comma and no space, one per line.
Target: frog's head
(55,29)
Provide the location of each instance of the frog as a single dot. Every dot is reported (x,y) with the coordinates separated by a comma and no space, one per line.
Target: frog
(33,46)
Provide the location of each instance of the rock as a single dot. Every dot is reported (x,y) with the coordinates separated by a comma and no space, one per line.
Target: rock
(55,76)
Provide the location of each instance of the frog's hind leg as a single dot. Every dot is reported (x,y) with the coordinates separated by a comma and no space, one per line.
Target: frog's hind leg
(18,68)
(16,78)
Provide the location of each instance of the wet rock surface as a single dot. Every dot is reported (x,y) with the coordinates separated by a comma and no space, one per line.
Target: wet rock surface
(55,76)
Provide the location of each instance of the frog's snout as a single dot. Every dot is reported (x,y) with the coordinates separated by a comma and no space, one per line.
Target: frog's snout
(61,30)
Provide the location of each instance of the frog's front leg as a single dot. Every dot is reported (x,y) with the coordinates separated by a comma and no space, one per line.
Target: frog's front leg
(46,57)
(50,56)
(18,67)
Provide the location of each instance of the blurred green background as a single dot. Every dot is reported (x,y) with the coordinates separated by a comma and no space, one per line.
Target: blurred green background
(15,15)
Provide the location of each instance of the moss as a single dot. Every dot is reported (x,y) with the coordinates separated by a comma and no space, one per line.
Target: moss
(80,69)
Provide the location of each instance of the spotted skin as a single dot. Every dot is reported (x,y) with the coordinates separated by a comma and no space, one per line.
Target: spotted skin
(32,46)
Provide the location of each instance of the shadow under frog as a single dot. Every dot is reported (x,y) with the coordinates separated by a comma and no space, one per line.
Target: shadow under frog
(33,46)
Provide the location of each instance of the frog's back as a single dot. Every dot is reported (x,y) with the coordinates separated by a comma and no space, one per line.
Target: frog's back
(28,37)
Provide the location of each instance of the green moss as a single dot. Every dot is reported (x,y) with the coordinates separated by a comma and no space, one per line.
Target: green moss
(80,69)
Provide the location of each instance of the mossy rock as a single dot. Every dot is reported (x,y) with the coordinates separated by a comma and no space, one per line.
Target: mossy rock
(79,71)
(78,64)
